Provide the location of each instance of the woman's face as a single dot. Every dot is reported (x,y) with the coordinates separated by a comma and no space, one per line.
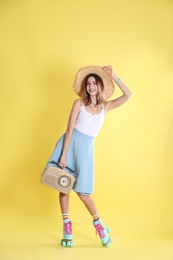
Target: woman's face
(91,86)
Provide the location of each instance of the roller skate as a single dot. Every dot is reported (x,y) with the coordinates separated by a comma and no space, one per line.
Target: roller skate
(67,234)
(102,231)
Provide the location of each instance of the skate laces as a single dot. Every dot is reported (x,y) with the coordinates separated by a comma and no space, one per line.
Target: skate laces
(100,230)
(67,227)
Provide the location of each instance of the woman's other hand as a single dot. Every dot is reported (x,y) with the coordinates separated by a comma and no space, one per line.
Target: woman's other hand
(109,70)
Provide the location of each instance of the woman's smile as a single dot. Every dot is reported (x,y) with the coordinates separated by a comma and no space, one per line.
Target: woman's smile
(92,85)
(92,90)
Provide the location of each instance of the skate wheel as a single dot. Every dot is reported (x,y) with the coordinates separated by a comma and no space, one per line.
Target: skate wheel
(63,243)
(70,244)
(108,243)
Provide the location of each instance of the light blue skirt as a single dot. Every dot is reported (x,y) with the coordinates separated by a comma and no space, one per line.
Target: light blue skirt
(80,157)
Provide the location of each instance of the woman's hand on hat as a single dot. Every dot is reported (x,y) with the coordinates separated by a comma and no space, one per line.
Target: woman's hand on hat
(109,70)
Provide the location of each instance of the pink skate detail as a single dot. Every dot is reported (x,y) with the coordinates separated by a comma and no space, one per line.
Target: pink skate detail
(100,230)
(67,227)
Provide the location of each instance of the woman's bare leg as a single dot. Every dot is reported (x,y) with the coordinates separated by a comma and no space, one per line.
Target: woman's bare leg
(64,202)
(89,203)
(101,230)
(67,225)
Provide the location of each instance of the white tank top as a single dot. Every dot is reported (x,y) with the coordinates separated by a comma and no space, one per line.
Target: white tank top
(89,124)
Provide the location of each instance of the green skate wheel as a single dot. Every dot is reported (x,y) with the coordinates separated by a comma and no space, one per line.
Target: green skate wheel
(70,244)
(63,243)
(108,243)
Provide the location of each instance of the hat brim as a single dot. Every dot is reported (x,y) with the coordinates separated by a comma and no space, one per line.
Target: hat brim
(98,70)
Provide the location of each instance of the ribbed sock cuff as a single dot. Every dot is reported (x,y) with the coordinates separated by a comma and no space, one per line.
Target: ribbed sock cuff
(95,217)
(65,215)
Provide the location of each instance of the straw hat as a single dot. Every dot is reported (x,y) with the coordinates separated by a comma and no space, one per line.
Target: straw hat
(98,70)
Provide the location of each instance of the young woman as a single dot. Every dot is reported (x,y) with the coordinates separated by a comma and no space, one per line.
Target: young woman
(94,85)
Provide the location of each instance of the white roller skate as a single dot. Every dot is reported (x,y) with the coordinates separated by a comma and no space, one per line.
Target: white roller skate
(102,231)
(67,234)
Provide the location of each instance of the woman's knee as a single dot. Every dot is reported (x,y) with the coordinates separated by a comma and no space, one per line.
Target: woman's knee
(84,197)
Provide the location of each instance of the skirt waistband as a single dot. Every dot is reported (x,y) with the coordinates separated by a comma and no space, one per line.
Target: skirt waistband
(89,137)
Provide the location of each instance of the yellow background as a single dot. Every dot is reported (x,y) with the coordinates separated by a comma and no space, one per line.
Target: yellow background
(43,44)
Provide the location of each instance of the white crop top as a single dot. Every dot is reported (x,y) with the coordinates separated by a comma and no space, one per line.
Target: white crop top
(89,124)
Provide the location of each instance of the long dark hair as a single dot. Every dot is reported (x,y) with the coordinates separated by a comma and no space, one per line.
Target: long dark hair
(100,92)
